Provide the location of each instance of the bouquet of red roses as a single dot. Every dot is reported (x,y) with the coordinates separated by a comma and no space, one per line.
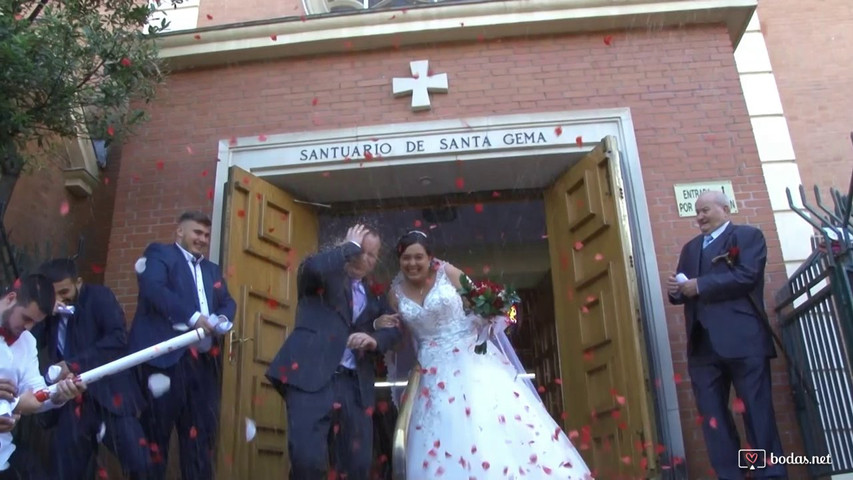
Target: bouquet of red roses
(488,300)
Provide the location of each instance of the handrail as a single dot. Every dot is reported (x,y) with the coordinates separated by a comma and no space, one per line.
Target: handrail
(401,429)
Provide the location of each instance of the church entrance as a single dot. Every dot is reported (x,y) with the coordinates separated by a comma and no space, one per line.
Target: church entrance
(565,245)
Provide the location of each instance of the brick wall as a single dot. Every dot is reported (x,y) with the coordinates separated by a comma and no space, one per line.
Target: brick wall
(681,85)
(813,63)
(42,228)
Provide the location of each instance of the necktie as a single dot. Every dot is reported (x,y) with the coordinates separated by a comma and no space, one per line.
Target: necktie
(707,241)
(61,334)
(207,343)
(357,299)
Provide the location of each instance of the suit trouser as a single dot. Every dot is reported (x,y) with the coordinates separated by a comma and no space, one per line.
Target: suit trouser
(190,405)
(712,378)
(24,465)
(329,427)
(75,440)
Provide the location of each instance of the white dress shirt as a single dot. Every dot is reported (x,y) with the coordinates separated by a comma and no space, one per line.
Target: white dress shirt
(195,267)
(19,363)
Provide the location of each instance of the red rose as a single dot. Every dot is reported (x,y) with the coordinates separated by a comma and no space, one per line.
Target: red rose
(377,289)
(733,252)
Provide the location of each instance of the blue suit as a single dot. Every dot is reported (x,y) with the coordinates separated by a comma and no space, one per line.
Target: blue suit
(324,322)
(729,344)
(168,299)
(95,335)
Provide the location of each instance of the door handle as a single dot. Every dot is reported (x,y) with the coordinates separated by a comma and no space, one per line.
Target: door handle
(232,341)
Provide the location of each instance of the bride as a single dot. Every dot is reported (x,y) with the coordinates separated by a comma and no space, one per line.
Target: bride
(472,417)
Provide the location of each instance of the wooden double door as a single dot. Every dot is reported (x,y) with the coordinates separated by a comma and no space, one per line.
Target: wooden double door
(597,337)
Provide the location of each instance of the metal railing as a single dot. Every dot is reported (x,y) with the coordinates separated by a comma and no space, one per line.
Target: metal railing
(815,314)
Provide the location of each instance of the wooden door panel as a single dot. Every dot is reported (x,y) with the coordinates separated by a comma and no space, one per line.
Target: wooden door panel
(266,233)
(602,362)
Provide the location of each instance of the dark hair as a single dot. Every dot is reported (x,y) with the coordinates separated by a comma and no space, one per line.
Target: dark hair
(195,216)
(411,238)
(59,269)
(35,288)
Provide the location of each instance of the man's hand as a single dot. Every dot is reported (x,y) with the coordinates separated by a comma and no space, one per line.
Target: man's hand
(8,390)
(387,321)
(7,423)
(672,286)
(68,389)
(690,288)
(65,370)
(361,341)
(356,234)
(204,322)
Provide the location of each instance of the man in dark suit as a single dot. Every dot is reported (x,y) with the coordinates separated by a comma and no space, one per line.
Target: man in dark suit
(325,369)
(729,341)
(178,290)
(93,335)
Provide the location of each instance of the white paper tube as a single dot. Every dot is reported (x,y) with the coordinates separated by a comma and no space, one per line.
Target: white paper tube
(137,358)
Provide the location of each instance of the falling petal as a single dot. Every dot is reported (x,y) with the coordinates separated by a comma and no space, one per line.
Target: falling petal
(608,39)
(578,245)
(460,183)
(579,141)
(273,37)
(64,208)
(599,257)
(251,429)
(158,384)
(209,16)
(558,131)
(478,207)
(738,406)
(193,432)
(139,266)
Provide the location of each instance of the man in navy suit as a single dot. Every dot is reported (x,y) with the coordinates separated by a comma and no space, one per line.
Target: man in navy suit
(178,290)
(729,342)
(93,335)
(325,369)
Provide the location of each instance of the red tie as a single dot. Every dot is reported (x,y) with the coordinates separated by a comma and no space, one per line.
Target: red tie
(7,336)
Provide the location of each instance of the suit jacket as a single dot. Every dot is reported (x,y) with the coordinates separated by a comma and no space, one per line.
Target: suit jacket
(168,297)
(324,323)
(95,335)
(722,306)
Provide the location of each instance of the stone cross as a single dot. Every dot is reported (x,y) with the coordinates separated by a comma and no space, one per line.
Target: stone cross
(420,85)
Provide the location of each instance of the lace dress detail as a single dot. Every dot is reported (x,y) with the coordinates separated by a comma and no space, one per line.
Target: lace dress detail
(472,417)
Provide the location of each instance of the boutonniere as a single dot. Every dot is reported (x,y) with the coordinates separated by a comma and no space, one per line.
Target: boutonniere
(376,289)
(730,257)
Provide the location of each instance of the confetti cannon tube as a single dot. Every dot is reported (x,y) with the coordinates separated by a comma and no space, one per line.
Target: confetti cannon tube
(139,357)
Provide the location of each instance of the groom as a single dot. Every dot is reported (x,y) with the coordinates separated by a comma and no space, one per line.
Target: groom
(324,370)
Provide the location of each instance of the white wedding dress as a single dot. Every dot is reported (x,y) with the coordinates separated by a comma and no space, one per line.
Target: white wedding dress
(472,417)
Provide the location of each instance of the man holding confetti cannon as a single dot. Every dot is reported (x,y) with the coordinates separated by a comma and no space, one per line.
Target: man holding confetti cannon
(180,290)
(22,388)
(88,331)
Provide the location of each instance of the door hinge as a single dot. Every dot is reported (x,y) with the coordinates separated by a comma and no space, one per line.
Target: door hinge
(621,194)
(631,261)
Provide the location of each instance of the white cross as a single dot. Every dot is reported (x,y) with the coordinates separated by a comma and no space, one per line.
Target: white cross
(420,85)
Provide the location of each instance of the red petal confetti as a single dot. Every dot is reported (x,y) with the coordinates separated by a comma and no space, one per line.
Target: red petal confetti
(626,460)
(541,389)
(262,138)
(533,458)
(125,62)
(194,352)
(713,422)
(599,257)
(382,406)
(558,131)
(608,39)
(97,269)
(485,465)
(677,378)
(106,180)
(193,432)
(441,385)
(558,381)
(659,449)
(77,411)
(460,183)
(273,37)
(620,400)
(214,351)
(478,207)
(467,411)
(245,180)
(232,141)
(368,156)
(197,36)
(272,303)
(326,174)
(160,164)
(209,16)
(143,442)
(102,473)
(241,213)
(217,285)
(111,131)
(314,101)
(578,245)
(336,405)
(699,419)
(204,173)
(369,411)
(210,193)
(579,141)
(64,208)
(117,400)
(587,356)
(738,406)
(294,366)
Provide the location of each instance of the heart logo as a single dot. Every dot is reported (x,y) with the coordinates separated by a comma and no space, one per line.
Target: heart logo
(751,457)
